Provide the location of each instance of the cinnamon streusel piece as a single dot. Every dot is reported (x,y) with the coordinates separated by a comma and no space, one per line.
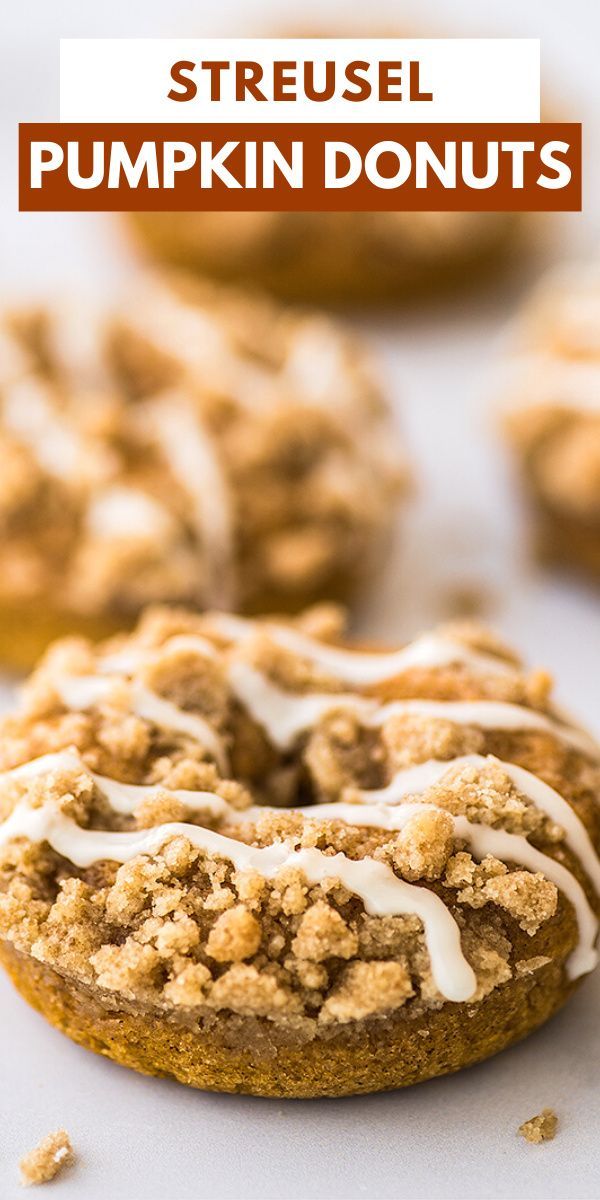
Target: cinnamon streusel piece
(541,1128)
(51,1156)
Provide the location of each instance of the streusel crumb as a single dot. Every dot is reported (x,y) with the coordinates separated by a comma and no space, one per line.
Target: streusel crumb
(53,1154)
(541,1128)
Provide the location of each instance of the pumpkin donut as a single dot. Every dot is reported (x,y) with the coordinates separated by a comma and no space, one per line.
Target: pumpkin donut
(553,415)
(245,855)
(341,258)
(191,446)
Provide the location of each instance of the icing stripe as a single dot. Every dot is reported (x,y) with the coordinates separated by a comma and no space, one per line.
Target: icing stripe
(482,839)
(380,890)
(412,780)
(30,416)
(360,667)
(127,662)
(193,460)
(80,692)
(285,715)
(125,798)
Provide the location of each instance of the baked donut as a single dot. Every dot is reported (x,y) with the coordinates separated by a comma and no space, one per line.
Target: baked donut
(341,258)
(553,415)
(241,854)
(193,446)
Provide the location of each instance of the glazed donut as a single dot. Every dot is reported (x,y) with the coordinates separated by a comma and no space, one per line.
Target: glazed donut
(192,446)
(338,258)
(553,414)
(245,855)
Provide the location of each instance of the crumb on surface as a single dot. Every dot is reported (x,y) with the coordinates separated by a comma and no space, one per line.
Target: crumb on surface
(541,1128)
(52,1155)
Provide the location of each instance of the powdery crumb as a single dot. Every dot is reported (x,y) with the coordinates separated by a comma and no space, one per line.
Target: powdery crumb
(53,1154)
(235,936)
(323,933)
(541,1128)
(368,988)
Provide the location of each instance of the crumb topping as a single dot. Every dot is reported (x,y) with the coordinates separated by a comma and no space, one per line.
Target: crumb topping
(182,928)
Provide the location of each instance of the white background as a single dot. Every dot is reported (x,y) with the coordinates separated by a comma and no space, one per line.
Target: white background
(453,1139)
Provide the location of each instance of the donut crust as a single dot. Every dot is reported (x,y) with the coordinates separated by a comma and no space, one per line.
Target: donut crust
(28,627)
(561,540)
(379,1056)
(310,262)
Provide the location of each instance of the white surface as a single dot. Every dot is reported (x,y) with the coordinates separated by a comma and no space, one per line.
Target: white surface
(452,1139)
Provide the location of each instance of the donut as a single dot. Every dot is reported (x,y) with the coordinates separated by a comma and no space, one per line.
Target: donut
(341,258)
(552,415)
(245,854)
(189,446)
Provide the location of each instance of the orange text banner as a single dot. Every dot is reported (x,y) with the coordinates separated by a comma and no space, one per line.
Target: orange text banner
(304,167)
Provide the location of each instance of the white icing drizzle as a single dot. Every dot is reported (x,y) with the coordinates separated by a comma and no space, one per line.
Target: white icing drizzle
(123,512)
(185,332)
(413,780)
(316,363)
(192,457)
(380,890)
(484,840)
(359,667)
(166,715)
(77,331)
(125,798)
(128,661)
(122,662)
(80,692)
(377,808)
(285,715)
(34,420)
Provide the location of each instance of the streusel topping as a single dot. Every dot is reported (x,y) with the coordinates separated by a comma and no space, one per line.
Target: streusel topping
(218,815)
